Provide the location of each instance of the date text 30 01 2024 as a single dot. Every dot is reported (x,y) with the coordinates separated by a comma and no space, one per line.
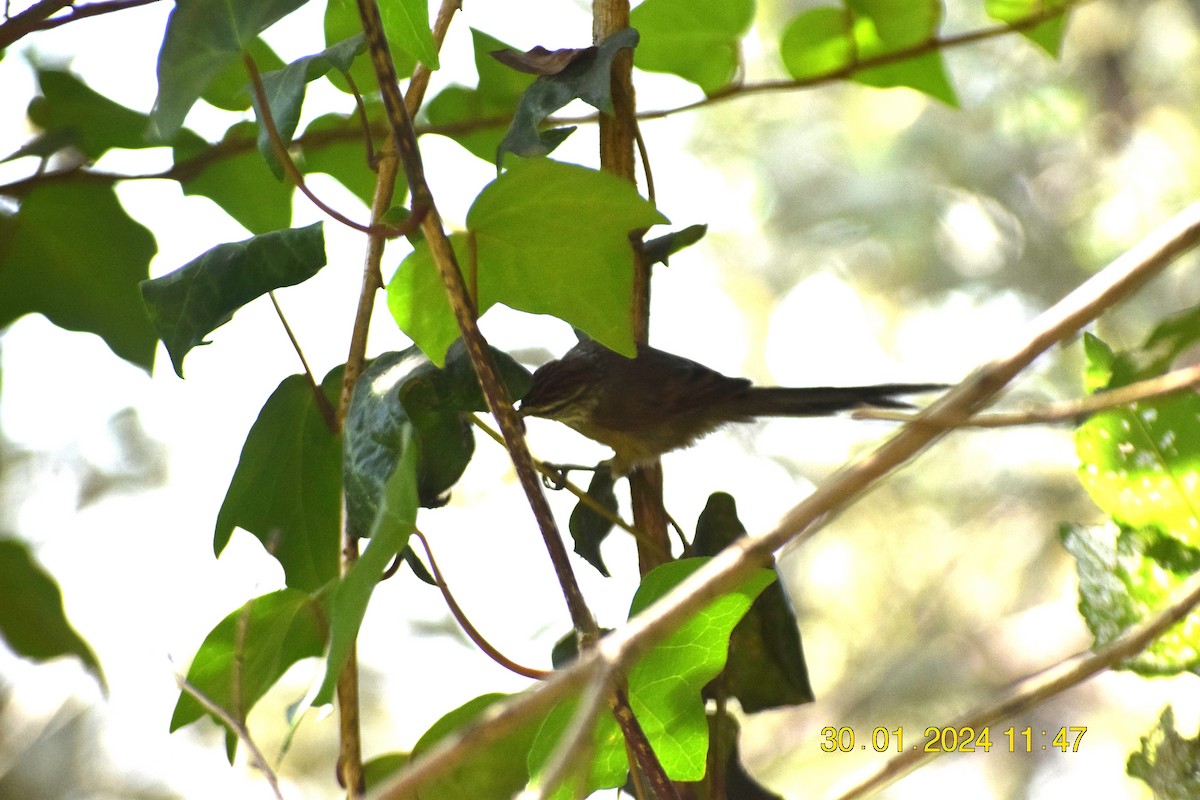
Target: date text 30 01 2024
(957,740)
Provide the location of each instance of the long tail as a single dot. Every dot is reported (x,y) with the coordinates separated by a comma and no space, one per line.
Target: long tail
(777,401)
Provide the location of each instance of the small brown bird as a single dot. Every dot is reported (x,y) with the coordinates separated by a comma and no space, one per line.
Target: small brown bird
(646,406)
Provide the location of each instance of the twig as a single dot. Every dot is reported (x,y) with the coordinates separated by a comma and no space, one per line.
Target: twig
(328,412)
(257,760)
(1066,410)
(733,565)
(85,10)
(279,148)
(471,631)
(28,20)
(1038,688)
(571,754)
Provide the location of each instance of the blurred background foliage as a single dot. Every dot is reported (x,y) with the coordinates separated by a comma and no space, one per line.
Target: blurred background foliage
(852,230)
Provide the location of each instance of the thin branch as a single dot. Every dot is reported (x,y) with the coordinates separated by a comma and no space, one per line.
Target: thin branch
(471,631)
(279,148)
(1036,689)
(28,20)
(737,562)
(328,412)
(571,755)
(257,759)
(1073,411)
(85,10)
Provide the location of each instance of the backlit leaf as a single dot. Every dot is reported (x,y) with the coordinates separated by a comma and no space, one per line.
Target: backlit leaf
(698,40)
(94,124)
(238,181)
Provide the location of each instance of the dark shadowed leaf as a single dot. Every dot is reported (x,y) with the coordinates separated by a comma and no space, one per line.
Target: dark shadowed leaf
(660,248)
(32,620)
(286,489)
(589,528)
(285,89)
(72,254)
(539,60)
(403,397)
(587,78)
(249,651)
(724,757)
(698,40)
(91,122)
(766,667)
(202,38)
(1167,762)
(201,296)
(238,181)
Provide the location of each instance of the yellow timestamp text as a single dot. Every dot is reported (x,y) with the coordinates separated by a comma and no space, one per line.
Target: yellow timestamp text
(938,739)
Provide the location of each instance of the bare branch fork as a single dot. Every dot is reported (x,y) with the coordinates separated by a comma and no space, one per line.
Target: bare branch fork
(734,565)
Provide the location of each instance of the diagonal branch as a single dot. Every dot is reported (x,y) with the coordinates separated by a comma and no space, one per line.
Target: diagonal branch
(734,565)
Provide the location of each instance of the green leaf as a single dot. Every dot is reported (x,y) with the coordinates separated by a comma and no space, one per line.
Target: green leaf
(827,40)
(342,22)
(766,667)
(400,398)
(238,181)
(1125,575)
(286,489)
(664,685)
(497,95)
(1047,35)
(32,620)
(588,78)
(201,296)
(72,254)
(417,299)
(588,528)
(202,38)
(407,21)
(380,768)
(723,735)
(394,522)
(91,122)
(553,238)
(251,649)
(333,144)
(1139,462)
(698,40)
(1167,762)
(285,89)
(494,771)
(230,89)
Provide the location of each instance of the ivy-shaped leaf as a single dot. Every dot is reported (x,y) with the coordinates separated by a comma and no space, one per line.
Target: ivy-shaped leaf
(286,489)
(822,41)
(1167,762)
(497,94)
(239,181)
(549,238)
(588,79)
(698,40)
(766,666)
(32,621)
(202,38)
(395,518)
(79,282)
(400,398)
(248,651)
(90,121)
(230,89)
(1047,35)
(1141,462)
(1125,575)
(664,686)
(285,89)
(201,296)
(588,528)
